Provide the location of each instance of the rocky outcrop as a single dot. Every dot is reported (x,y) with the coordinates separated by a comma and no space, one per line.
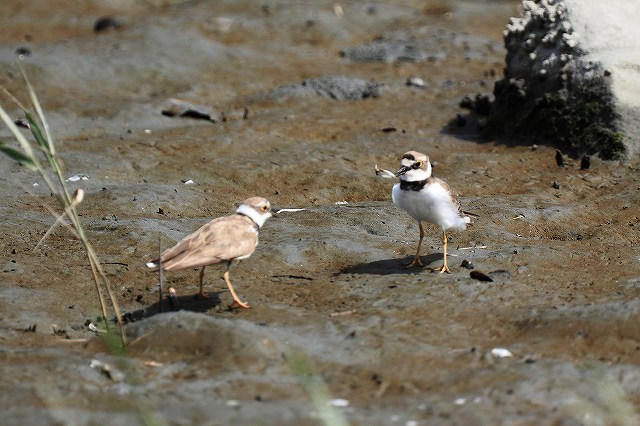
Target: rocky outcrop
(557,89)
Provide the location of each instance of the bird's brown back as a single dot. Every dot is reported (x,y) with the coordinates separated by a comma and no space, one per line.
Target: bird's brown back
(220,240)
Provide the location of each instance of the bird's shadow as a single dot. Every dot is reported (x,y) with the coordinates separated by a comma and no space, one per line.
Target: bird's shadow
(391,266)
(192,302)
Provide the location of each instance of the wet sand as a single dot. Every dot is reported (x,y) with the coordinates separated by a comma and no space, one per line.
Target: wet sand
(402,346)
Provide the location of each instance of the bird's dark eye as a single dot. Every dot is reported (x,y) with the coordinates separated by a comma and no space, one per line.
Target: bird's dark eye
(417,164)
(264,208)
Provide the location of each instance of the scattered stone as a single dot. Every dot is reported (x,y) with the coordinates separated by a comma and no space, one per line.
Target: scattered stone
(416,82)
(477,275)
(343,88)
(501,353)
(466,264)
(339,88)
(388,129)
(555,185)
(104,23)
(585,162)
(23,51)
(179,108)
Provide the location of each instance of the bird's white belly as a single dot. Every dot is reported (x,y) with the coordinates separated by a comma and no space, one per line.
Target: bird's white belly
(432,204)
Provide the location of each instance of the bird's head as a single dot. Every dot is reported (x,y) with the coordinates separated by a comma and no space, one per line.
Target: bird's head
(256,208)
(414,166)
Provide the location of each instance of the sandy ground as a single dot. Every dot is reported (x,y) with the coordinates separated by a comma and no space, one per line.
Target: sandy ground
(392,345)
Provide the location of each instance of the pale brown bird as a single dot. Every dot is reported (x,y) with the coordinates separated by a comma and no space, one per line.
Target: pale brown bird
(225,239)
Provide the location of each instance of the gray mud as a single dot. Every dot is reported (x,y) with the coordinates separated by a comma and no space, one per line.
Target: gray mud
(401,346)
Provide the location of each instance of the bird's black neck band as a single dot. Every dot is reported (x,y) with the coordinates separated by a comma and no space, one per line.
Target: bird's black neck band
(415,185)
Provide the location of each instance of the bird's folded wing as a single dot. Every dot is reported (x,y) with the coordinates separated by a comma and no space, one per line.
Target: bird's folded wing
(220,240)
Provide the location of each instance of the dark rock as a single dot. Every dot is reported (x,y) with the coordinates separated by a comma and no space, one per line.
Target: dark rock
(480,276)
(178,108)
(466,264)
(339,88)
(559,158)
(551,90)
(343,88)
(481,104)
(585,162)
(23,51)
(104,23)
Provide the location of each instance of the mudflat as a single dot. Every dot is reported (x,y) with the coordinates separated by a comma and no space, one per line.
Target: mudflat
(173,112)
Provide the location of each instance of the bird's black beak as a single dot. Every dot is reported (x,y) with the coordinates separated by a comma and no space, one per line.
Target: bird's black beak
(403,170)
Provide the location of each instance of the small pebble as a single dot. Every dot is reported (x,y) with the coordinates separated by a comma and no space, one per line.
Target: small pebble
(416,82)
(555,184)
(477,275)
(23,51)
(105,23)
(466,264)
(585,163)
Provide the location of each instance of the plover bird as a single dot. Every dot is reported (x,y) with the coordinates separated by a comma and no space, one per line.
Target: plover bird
(427,198)
(223,240)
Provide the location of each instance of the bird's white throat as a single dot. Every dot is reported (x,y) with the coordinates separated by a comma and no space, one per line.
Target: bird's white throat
(258,217)
(417,174)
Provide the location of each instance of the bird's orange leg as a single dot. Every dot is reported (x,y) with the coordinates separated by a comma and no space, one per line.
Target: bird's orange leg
(237,303)
(444,268)
(202,293)
(416,260)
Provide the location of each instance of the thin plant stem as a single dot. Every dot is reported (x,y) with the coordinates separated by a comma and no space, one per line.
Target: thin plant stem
(46,146)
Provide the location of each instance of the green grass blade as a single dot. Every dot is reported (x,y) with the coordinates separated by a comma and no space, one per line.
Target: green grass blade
(18,156)
(24,143)
(38,107)
(37,135)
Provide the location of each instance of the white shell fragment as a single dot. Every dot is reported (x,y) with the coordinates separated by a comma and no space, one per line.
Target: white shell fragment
(416,82)
(341,203)
(501,353)
(76,178)
(340,402)
(95,329)
(384,173)
(188,181)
